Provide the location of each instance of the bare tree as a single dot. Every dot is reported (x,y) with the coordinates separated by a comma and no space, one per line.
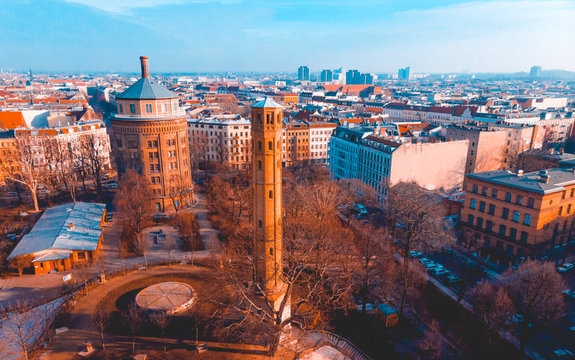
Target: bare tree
(432,344)
(27,168)
(133,319)
(494,308)
(101,318)
(535,289)
(20,263)
(180,191)
(134,203)
(96,150)
(415,219)
(20,326)
(162,320)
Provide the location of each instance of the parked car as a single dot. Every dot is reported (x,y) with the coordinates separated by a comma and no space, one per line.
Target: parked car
(565,267)
(569,293)
(562,354)
(572,331)
(430,266)
(161,218)
(415,254)
(437,272)
(425,261)
(12,194)
(452,279)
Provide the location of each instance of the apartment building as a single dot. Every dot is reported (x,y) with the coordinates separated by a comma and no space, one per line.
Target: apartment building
(319,137)
(512,215)
(223,140)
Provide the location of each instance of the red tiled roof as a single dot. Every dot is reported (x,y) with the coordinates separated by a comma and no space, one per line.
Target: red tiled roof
(11,120)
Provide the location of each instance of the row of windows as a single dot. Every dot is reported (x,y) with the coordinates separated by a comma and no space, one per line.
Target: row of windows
(508,195)
(504,212)
(502,231)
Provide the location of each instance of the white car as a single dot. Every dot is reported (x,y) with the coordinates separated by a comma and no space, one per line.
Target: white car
(565,267)
(562,354)
(415,254)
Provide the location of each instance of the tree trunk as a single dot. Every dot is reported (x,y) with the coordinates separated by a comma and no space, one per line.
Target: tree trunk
(35,199)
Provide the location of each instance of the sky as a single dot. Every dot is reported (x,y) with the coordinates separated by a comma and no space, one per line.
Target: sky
(267,36)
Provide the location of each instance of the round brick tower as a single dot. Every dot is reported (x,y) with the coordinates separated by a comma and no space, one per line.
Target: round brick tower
(150,136)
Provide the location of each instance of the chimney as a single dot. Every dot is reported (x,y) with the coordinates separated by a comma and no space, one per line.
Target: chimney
(519,172)
(144,64)
(71,225)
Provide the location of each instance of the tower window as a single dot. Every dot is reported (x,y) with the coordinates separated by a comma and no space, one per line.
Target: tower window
(271,251)
(132,108)
(149,108)
(259,145)
(269,145)
(267,118)
(260,119)
(121,107)
(270,194)
(260,224)
(259,164)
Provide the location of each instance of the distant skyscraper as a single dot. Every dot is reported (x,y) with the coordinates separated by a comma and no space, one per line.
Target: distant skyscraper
(404,74)
(368,79)
(352,77)
(303,73)
(535,71)
(326,76)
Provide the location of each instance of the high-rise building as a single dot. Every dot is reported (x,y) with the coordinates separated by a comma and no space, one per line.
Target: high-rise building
(404,74)
(326,76)
(352,77)
(267,116)
(303,73)
(150,136)
(535,71)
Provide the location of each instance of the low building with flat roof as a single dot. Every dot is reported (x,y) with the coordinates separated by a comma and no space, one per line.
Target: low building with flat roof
(65,236)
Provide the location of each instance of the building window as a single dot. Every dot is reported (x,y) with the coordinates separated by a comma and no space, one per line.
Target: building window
(508,196)
(491,209)
(569,209)
(472,203)
(269,145)
(516,216)
(505,213)
(484,191)
(470,219)
(259,164)
(530,203)
(482,206)
(494,193)
(270,194)
(489,226)
(479,222)
(524,236)
(149,108)
(260,224)
(81,255)
(474,189)
(560,212)
(132,108)
(502,230)
(563,195)
(512,233)
(519,200)
(121,107)
(259,145)
(271,251)
(527,220)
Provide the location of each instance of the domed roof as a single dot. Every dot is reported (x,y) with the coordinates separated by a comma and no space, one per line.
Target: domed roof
(266,103)
(145,88)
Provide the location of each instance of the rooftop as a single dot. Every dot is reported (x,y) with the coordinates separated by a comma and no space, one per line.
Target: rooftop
(266,103)
(146,88)
(72,226)
(557,179)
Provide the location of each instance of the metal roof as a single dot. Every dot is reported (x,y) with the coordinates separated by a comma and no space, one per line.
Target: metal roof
(266,103)
(72,226)
(53,255)
(533,181)
(147,89)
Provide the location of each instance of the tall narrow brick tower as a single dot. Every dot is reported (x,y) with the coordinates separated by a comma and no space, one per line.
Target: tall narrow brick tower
(267,116)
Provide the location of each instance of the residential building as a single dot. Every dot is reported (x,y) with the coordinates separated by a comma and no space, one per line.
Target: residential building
(150,136)
(326,76)
(303,73)
(513,215)
(404,74)
(223,140)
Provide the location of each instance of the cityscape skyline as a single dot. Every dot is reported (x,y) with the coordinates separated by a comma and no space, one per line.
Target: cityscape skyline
(230,36)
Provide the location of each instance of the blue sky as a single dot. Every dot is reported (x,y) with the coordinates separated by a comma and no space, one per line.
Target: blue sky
(260,35)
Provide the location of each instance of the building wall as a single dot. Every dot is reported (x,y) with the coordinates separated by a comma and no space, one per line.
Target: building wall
(430,165)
